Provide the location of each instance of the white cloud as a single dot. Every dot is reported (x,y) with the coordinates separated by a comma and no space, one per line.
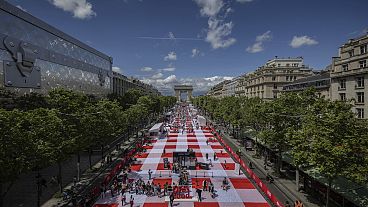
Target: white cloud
(146,69)
(264,37)
(244,1)
(218,32)
(117,69)
(171,36)
(21,8)
(172,69)
(258,45)
(195,52)
(170,56)
(157,76)
(301,41)
(210,7)
(81,9)
(170,79)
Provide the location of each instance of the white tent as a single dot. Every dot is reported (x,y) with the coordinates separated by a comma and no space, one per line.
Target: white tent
(201,121)
(156,128)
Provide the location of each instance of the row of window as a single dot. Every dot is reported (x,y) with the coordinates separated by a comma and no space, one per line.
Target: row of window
(362,64)
(359,83)
(359,97)
(363,50)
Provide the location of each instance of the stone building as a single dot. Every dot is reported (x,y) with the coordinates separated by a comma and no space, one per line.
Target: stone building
(121,84)
(349,75)
(267,81)
(320,81)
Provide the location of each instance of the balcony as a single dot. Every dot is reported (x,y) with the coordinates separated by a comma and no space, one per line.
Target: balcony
(359,87)
(355,71)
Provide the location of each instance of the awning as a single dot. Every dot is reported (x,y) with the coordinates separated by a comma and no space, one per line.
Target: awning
(156,128)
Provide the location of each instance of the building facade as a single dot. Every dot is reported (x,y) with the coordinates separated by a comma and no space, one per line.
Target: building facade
(267,81)
(349,75)
(229,87)
(240,86)
(218,90)
(121,84)
(320,81)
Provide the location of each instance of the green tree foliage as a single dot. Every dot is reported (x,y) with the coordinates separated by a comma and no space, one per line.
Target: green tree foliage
(49,129)
(318,133)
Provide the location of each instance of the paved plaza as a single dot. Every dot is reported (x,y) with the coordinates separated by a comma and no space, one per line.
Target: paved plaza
(241,191)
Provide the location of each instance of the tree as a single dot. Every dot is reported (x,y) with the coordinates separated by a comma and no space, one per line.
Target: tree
(15,148)
(71,105)
(31,101)
(331,140)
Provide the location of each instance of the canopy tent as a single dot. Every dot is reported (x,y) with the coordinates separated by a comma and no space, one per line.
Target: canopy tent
(156,128)
(194,112)
(201,121)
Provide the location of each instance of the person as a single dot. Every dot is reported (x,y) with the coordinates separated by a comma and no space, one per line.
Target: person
(165,188)
(74,181)
(199,192)
(224,184)
(171,199)
(204,185)
(250,165)
(287,204)
(112,191)
(214,156)
(213,190)
(123,199)
(149,174)
(207,141)
(269,178)
(131,201)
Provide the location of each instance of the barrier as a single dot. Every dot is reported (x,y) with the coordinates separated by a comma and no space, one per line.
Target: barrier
(251,174)
(96,191)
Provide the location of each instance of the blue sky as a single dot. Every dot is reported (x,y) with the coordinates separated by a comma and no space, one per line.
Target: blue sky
(202,42)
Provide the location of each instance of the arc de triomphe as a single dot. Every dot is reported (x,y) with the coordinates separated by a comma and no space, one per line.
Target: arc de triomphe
(183,89)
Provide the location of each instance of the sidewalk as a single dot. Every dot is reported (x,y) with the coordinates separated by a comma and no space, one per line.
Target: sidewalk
(89,177)
(283,188)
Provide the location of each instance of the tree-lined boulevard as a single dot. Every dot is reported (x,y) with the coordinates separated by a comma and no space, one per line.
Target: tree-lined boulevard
(39,131)
(318,133)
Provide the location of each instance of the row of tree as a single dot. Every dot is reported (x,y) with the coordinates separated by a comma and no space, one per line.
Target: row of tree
(38,131)
(318,133)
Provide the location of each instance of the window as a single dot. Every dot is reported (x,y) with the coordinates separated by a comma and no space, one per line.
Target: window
(362,63)
(363,49)
(287,64)
(342,97)
(275,95)
(360,113)
(295,64)
(360,82)
(279,65)
(345,67)
(360,97)
(273,78)
(351,53)
(274,86)
(287,78)
(342,83)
